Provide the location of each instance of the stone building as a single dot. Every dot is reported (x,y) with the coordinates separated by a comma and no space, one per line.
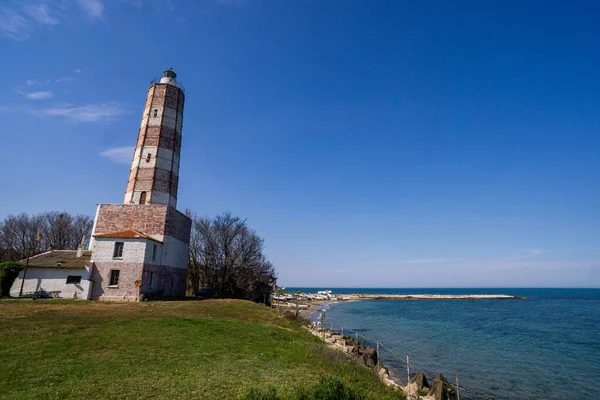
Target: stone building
(141,247)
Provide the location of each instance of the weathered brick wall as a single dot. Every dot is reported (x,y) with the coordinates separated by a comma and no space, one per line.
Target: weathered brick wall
(178,225)
(166,281)
(125,290)
(150,219)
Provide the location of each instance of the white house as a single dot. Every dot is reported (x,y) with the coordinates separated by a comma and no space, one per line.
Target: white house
(56,273)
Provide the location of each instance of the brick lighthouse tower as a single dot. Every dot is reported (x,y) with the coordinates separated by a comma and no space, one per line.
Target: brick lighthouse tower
(154,171)
(141,247)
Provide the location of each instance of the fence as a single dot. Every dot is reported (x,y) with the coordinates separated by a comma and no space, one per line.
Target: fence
(386,355)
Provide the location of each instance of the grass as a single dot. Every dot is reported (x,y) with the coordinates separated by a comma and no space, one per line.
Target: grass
(212,349)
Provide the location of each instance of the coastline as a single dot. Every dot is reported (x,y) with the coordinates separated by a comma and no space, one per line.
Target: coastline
(418,387)
(307,306)
(364,296)
(336,340)
(485,342)
(371,353)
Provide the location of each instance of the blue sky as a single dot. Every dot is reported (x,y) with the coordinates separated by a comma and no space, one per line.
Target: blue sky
(371,143)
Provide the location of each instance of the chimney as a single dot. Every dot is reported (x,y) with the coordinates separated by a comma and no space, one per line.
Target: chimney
(80,247)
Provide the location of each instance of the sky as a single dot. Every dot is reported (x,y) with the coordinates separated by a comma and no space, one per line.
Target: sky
(371,143)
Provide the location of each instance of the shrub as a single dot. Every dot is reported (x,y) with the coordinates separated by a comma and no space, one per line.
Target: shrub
(9,270)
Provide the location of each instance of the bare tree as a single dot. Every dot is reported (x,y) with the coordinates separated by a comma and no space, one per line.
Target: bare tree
(19,235)
(63,231)
(23,236)
(227,256)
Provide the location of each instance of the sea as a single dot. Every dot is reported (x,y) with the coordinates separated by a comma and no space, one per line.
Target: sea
(546,346)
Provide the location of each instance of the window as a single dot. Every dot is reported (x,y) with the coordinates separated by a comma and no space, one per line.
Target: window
(154,253)
(114,277)
(156,112)
(151,279)
(118,253)
(148,157)
(73,279)
(143,198)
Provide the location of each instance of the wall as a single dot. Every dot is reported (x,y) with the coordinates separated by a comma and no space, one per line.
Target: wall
(178,225)
(135,253)
(134,250)
(54,279)
(167,281)
(155,220)
(148,218)
(125,290)
(175,253)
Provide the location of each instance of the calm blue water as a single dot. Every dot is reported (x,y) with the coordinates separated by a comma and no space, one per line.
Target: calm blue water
(545,347)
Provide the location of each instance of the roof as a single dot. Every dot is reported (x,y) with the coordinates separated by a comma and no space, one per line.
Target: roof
(64,259)
(128,234)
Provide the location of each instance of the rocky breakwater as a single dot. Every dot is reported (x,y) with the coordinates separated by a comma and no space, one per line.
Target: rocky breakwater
(364,355)
(362,296)
(417,388)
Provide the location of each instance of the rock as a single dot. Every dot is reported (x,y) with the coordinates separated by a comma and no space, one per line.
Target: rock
(420,381)
(383,372)
(441,389)
(369,357)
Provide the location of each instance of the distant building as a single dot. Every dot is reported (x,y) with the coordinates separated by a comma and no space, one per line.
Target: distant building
(57,273)
(141,247)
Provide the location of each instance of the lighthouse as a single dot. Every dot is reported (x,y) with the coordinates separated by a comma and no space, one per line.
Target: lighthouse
(154,174)
(140,247)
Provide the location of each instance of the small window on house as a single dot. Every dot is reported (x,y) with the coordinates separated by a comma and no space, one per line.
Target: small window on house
(75,279)
(118,253)
(148,157)
(143,198)
(155,112)
(154,253)
(151,279)
(114,277)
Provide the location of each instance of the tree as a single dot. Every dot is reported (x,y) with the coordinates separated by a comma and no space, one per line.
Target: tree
(227,256)
(23,236)
(19,236)
(64,231)
(9,271)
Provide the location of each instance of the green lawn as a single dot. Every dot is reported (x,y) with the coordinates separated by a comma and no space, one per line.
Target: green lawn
(212,349)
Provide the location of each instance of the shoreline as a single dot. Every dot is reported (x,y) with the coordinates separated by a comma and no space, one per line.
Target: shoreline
(364,296)
(417,387)
(366,351)
(306,306)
